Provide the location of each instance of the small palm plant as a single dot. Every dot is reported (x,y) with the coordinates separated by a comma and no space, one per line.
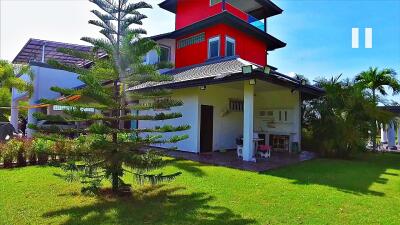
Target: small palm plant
(9,78)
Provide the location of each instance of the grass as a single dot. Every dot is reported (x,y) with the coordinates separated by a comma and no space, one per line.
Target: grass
(323,191)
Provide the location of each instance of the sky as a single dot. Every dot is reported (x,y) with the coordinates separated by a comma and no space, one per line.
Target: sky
(317,32)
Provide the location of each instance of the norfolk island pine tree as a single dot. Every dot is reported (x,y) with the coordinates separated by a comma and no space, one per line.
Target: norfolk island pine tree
(113,148)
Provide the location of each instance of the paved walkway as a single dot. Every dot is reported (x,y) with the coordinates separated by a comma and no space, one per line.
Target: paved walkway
(230,159)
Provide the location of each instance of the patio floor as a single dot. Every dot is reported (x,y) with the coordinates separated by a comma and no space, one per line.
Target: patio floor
(230,159)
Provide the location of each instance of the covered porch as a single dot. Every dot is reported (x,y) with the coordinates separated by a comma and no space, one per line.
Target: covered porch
(248,115)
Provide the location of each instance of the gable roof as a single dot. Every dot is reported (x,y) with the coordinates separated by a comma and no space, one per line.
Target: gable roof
(224,70)
(33,49)
(229,19)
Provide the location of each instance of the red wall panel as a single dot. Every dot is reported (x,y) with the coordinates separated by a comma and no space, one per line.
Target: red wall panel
(192,11)
(247,47)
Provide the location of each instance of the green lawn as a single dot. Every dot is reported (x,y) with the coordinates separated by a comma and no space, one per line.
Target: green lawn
(323,191)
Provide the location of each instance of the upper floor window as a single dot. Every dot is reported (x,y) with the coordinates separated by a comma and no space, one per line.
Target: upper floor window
(213,2)
(213,47)
(191,40)
(230,46)
(165,54)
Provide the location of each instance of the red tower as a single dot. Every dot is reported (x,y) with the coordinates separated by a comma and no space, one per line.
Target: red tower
(207,30)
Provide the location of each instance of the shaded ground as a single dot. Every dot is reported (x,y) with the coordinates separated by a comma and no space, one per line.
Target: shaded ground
(230,159)
(321,191)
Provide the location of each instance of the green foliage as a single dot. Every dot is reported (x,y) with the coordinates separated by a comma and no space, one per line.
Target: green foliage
(9,151)
(376,81)
(338,123)
(105,149)
(42,148)
(9,79)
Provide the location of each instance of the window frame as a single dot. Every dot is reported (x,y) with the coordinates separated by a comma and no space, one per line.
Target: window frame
(211,39)
(169,53)
(201,37)
(232,40)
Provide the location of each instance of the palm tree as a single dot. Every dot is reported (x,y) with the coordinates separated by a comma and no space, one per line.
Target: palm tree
(377,81)
(9,79)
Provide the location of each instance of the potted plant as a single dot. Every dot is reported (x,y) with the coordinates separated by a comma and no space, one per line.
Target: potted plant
(9,151)
(30,153)
(42,147)
(21,152)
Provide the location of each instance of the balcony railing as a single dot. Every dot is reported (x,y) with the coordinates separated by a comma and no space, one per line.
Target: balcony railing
(243,15)
(257,23)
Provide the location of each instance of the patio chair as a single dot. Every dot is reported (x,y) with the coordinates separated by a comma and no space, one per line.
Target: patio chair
(264,151)
(239,147)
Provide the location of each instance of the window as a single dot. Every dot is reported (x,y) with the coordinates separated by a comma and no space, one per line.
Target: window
(213,47)
(191,40)
(213,2)
(165,54)
(236,105)
(230,46)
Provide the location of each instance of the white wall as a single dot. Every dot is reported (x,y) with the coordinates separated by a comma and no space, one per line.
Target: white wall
(226,127)
(152,56)
(190,112)
(279,99)
(44,79)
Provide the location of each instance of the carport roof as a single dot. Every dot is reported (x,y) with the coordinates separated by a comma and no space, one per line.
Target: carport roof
(32,52)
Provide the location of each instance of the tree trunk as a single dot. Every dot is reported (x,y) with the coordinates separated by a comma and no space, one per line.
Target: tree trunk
(115,182)
(374,127)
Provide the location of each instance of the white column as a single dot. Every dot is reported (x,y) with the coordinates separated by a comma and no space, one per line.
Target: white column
(391,135)
(383,134)
(248,145)
(14,114)
(31,119)
(398,135)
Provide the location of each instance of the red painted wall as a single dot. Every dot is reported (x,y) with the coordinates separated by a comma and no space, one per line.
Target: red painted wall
(247,47)
(192,11)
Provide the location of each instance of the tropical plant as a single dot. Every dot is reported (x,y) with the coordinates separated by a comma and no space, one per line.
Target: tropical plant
(9,79)
(377,82)
(42,148)
(108,150)
(338,123)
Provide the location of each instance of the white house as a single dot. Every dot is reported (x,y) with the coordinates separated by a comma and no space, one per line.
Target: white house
(35,53)
(223,104)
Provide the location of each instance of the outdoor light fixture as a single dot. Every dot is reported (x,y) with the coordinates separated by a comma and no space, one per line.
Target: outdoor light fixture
(203,87)
(267,70)
(303,82)
(252,82)
(247,69)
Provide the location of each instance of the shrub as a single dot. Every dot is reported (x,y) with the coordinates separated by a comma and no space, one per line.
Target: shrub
(63,147)
(42,148)
(22,152)
(10,151)
(30,153)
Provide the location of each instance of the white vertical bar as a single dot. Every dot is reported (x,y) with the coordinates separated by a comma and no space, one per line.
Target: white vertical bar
(248,116)
(354,37)
(368,37)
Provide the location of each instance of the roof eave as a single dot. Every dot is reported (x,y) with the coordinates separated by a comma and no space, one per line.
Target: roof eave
(169,5)
(227,18)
